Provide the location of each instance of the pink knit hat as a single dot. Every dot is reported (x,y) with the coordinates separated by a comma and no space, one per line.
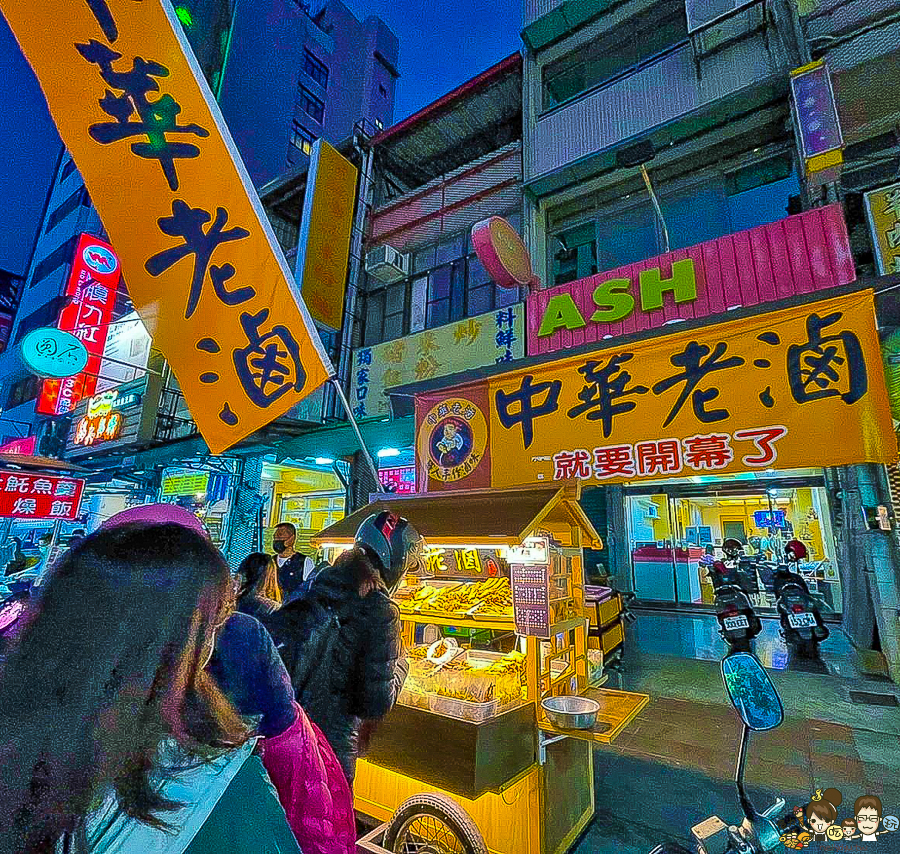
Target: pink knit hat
(157,514)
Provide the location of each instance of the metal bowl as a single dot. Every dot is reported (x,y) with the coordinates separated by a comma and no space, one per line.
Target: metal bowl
(571,712)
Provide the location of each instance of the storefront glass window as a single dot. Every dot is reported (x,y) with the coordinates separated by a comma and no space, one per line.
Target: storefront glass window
(672,533)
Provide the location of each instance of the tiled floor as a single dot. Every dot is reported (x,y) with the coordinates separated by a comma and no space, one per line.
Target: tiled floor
(673,765)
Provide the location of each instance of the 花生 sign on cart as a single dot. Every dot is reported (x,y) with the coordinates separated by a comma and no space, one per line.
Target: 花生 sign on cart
(202,264)
(39,496)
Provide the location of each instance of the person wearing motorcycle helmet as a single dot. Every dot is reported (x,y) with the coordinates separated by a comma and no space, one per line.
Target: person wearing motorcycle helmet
(341,640)
(796,551)
(733,548)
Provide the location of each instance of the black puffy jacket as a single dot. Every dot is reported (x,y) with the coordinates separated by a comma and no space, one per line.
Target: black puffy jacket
(366,668)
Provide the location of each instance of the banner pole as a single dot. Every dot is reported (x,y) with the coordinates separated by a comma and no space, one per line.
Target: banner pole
(352,419)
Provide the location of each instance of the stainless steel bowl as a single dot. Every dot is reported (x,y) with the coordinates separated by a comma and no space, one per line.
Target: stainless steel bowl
(571,712)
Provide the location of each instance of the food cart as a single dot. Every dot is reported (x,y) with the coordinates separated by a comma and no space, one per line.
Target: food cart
(468,762)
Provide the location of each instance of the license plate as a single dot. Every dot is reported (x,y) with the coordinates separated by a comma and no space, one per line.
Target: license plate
(740,622)
(802,621)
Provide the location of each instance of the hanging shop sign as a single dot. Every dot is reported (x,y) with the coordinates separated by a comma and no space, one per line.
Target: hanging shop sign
(203,267)
(798,255)
(400,480)
(789,389)
(26,447)
(102,422)
(817,121)
(464,563)
(502,253)
(487,339)
(50,352)
(186,482)
(324,245)
(883,212)
(90,300)
(38,496)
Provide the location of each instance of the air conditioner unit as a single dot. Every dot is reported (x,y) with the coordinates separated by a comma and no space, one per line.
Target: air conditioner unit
(702,13)
(386,264)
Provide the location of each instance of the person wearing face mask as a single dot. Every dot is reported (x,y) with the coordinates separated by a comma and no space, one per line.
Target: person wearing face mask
(293,567)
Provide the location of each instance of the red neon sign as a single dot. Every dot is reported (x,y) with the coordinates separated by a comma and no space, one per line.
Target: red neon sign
(91,293)
(39,496)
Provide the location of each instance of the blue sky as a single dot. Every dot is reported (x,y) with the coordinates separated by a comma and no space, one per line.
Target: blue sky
(442,43)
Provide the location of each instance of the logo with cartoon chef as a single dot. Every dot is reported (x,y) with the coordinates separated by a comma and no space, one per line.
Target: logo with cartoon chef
(819,820)
(453,439)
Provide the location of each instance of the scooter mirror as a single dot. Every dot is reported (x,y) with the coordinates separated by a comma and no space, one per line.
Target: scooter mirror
(751,691)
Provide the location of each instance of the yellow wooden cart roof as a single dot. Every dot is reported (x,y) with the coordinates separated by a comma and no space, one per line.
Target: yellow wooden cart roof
(476,517)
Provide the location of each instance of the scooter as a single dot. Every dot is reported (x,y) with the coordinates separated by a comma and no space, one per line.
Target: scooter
(802,626)
(757,702)
(738,623)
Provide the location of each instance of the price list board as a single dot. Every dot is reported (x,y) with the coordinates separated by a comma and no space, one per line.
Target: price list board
(531,599)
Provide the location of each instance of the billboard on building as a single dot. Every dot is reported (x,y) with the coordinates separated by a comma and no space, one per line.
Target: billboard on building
(797,255)
(488,339)
(90,300)
(203,267)
(39,496)
(789,389)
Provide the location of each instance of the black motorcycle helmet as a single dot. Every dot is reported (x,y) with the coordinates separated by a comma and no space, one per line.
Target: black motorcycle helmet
(732,547)
(394,546)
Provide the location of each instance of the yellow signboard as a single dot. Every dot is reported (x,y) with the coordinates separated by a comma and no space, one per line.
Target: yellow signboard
(493,338)
(883,209)
(790,389)
(325,233)
(186,483)
(202,265)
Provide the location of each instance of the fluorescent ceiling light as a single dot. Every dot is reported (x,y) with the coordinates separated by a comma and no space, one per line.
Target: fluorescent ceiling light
(324,461)
(388,452)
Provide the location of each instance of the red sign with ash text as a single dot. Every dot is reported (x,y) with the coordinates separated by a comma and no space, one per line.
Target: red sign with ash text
(25,447)
(91,297)
(801,254)
(39,496)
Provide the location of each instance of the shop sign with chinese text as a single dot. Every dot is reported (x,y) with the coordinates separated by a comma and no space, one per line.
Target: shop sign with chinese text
(401,480)
(203,267)
(487,339)
(185,482)
(883,210)
(91,298)
(464,563)
(797,255)
(790,389)
(39,496)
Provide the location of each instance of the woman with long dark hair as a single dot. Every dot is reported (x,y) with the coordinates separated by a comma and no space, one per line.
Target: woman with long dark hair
(258,592)
(114,735)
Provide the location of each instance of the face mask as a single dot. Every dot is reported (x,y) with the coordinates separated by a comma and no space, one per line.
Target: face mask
(279,546)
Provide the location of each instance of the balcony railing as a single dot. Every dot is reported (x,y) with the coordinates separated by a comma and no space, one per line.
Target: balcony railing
(173,419)
(655,94)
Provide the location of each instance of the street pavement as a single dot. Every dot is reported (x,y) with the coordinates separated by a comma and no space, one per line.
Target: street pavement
(673,766)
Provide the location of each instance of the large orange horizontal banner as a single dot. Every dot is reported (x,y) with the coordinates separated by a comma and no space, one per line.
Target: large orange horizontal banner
(198,255)
(790,389)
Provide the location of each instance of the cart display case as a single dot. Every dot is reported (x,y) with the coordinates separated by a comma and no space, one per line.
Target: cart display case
(493,624)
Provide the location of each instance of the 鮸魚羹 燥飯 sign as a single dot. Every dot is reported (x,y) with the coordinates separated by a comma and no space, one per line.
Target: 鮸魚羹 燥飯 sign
(201,262)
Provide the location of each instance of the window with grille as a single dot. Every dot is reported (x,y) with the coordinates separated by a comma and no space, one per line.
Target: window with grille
(301,140)
(311,105)
(316,69)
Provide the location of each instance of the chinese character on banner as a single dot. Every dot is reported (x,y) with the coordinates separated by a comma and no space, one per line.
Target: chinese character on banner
(203,265)
(575,463)
(530,401)
(708,452)
(604,386)
(662,457)
(614,461)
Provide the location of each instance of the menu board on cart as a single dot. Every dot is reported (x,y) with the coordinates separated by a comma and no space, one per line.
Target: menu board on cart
(531,599)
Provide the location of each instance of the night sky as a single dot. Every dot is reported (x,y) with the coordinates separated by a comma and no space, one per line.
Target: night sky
(463,39)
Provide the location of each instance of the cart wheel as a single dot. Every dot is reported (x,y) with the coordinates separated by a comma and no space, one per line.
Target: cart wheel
(432,824)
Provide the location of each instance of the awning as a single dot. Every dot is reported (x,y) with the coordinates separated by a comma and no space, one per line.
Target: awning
(340,441)
(29,463)
(492,517)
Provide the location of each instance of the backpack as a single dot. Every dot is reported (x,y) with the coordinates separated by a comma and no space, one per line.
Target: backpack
(307,635)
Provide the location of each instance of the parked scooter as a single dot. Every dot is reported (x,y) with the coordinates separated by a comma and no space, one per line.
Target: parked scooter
(757,702)
(738,623)
(802,626)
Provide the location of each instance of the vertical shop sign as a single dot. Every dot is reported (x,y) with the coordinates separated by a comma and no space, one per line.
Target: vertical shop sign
(531,599)
(324,246)
(883,211)
(38,496)
(90,300)
(202,264)
(817,120)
